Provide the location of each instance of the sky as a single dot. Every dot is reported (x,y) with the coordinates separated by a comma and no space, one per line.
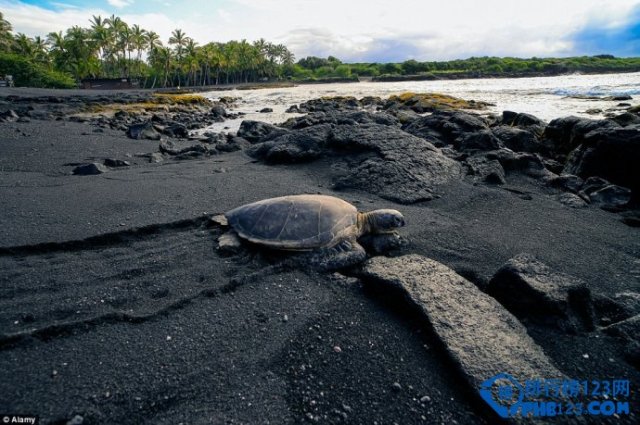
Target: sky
(367,31)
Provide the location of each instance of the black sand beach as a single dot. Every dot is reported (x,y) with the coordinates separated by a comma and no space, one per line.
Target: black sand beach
(117,307)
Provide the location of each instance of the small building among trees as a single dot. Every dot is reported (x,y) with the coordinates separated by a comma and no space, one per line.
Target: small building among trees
(109,83)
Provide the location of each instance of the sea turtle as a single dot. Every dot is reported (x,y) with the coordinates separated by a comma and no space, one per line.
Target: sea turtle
(321,223)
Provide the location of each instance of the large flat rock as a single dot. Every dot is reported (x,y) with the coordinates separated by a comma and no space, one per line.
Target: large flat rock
(477,332)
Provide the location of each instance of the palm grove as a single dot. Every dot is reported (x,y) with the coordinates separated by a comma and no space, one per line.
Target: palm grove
(111,48)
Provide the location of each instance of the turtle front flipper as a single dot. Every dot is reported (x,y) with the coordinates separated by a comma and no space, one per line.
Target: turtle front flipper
(346,254)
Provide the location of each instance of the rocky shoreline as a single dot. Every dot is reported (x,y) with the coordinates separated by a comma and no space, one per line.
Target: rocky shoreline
(497,206)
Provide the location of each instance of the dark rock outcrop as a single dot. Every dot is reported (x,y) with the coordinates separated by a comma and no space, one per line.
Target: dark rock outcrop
(401,167)
(523,121)
(519,140)
(444,127)
(530,289)
(526,163)
(110,162)
(376,158)
(611,196)
(9,116)
(297,146)
(566,182)
(486,170)
(483,140)
(478,334)
(143,130)
(90,169)
(610,153)
(256,131)
(563,135)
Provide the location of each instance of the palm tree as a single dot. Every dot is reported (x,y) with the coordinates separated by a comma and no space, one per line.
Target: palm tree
(40,53)
(23,45)
(57,49)
(120,36)
(139,43)
(153,40)
(6,39)
(164,59)
(192,60)
(101,36)
(179,38)
(81,60)
(287,57)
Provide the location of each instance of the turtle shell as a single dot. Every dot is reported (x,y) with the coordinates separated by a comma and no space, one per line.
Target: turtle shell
(298,222)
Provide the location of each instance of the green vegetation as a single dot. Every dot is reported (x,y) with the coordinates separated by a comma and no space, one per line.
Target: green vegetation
(28,73)
(434,101)
(110,48)
(492,66)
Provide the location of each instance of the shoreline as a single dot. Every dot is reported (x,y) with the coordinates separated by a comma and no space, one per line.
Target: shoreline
(294,83)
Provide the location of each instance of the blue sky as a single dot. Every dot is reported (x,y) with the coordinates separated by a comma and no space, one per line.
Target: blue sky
(372,30)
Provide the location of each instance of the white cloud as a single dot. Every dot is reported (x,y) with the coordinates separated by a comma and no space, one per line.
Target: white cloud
(120,3)
(359,30)
(225,16)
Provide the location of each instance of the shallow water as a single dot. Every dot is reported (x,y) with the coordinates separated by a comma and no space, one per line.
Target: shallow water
(544,97)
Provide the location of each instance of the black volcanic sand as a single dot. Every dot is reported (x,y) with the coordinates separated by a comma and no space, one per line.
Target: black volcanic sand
(116,306)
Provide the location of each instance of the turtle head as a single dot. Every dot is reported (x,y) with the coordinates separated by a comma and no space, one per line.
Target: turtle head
(384,221)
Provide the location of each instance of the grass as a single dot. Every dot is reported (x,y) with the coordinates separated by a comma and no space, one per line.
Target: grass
(159,101)
(435,101)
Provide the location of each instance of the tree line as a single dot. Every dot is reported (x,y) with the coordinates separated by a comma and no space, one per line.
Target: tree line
(111,48)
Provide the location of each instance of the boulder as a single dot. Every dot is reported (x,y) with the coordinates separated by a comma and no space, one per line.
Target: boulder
(340,118)
(9,116)
(563,135)
(186,150)
(443,127)
(531,290)
(478,334)
(628,329)
(610,153)
(400,167)
(297,146)
(110,162)
(526,163)
(218,111)
(566,182)
(486,170)
(572,200)
(483,140)
(524,121)
(265,110)
(519,140)
(143,130)
(617,308)
(173,129)
(156,157)
(232,144)
(90,169)
(611,197)
(626,119)
(618,98)
(256,131)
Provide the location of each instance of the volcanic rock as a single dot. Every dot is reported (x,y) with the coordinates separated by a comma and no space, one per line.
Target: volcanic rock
(530,289)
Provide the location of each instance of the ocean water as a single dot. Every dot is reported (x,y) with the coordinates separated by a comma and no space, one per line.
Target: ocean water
(544,97)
